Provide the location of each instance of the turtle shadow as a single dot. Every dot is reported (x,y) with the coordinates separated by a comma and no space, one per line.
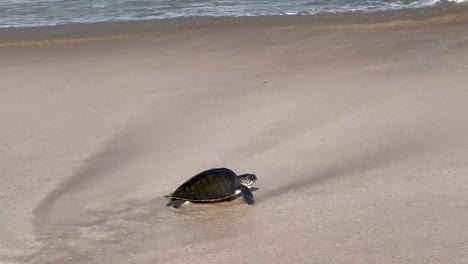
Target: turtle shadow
(229,199)
(240,195)
(254,189)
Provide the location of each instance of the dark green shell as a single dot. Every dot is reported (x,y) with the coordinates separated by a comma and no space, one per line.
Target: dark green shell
(210,185)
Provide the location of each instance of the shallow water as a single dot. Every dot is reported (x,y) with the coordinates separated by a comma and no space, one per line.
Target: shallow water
(21,13)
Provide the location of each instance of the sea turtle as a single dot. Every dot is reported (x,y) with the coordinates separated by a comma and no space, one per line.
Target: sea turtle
(213,185)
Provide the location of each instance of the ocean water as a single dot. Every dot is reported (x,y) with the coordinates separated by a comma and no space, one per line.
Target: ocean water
(26,13)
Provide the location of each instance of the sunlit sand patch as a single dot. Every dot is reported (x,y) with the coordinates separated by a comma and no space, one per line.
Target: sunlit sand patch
(441,20)
(29,43)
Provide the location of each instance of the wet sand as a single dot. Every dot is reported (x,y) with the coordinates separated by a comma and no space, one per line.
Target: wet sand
(356,128)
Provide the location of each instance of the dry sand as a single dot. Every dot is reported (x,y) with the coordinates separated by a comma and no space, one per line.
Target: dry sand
(357,132)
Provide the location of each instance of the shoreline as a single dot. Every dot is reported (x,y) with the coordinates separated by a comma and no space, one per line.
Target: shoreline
(448,13)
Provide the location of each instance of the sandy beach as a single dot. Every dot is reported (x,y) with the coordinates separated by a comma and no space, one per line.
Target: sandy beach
(355,125)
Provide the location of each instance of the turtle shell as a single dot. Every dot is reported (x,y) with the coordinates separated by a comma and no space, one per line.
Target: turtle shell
(210,185)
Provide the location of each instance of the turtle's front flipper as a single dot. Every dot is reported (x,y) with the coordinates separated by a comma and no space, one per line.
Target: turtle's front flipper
(248,196)
(176,203)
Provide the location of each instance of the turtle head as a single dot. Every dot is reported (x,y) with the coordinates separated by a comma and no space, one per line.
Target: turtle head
(247,179)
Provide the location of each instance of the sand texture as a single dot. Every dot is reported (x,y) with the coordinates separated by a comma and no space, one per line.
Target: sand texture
(358,135)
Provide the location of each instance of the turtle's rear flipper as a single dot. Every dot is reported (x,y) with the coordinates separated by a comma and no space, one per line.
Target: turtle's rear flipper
(248,196)
(176,203)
